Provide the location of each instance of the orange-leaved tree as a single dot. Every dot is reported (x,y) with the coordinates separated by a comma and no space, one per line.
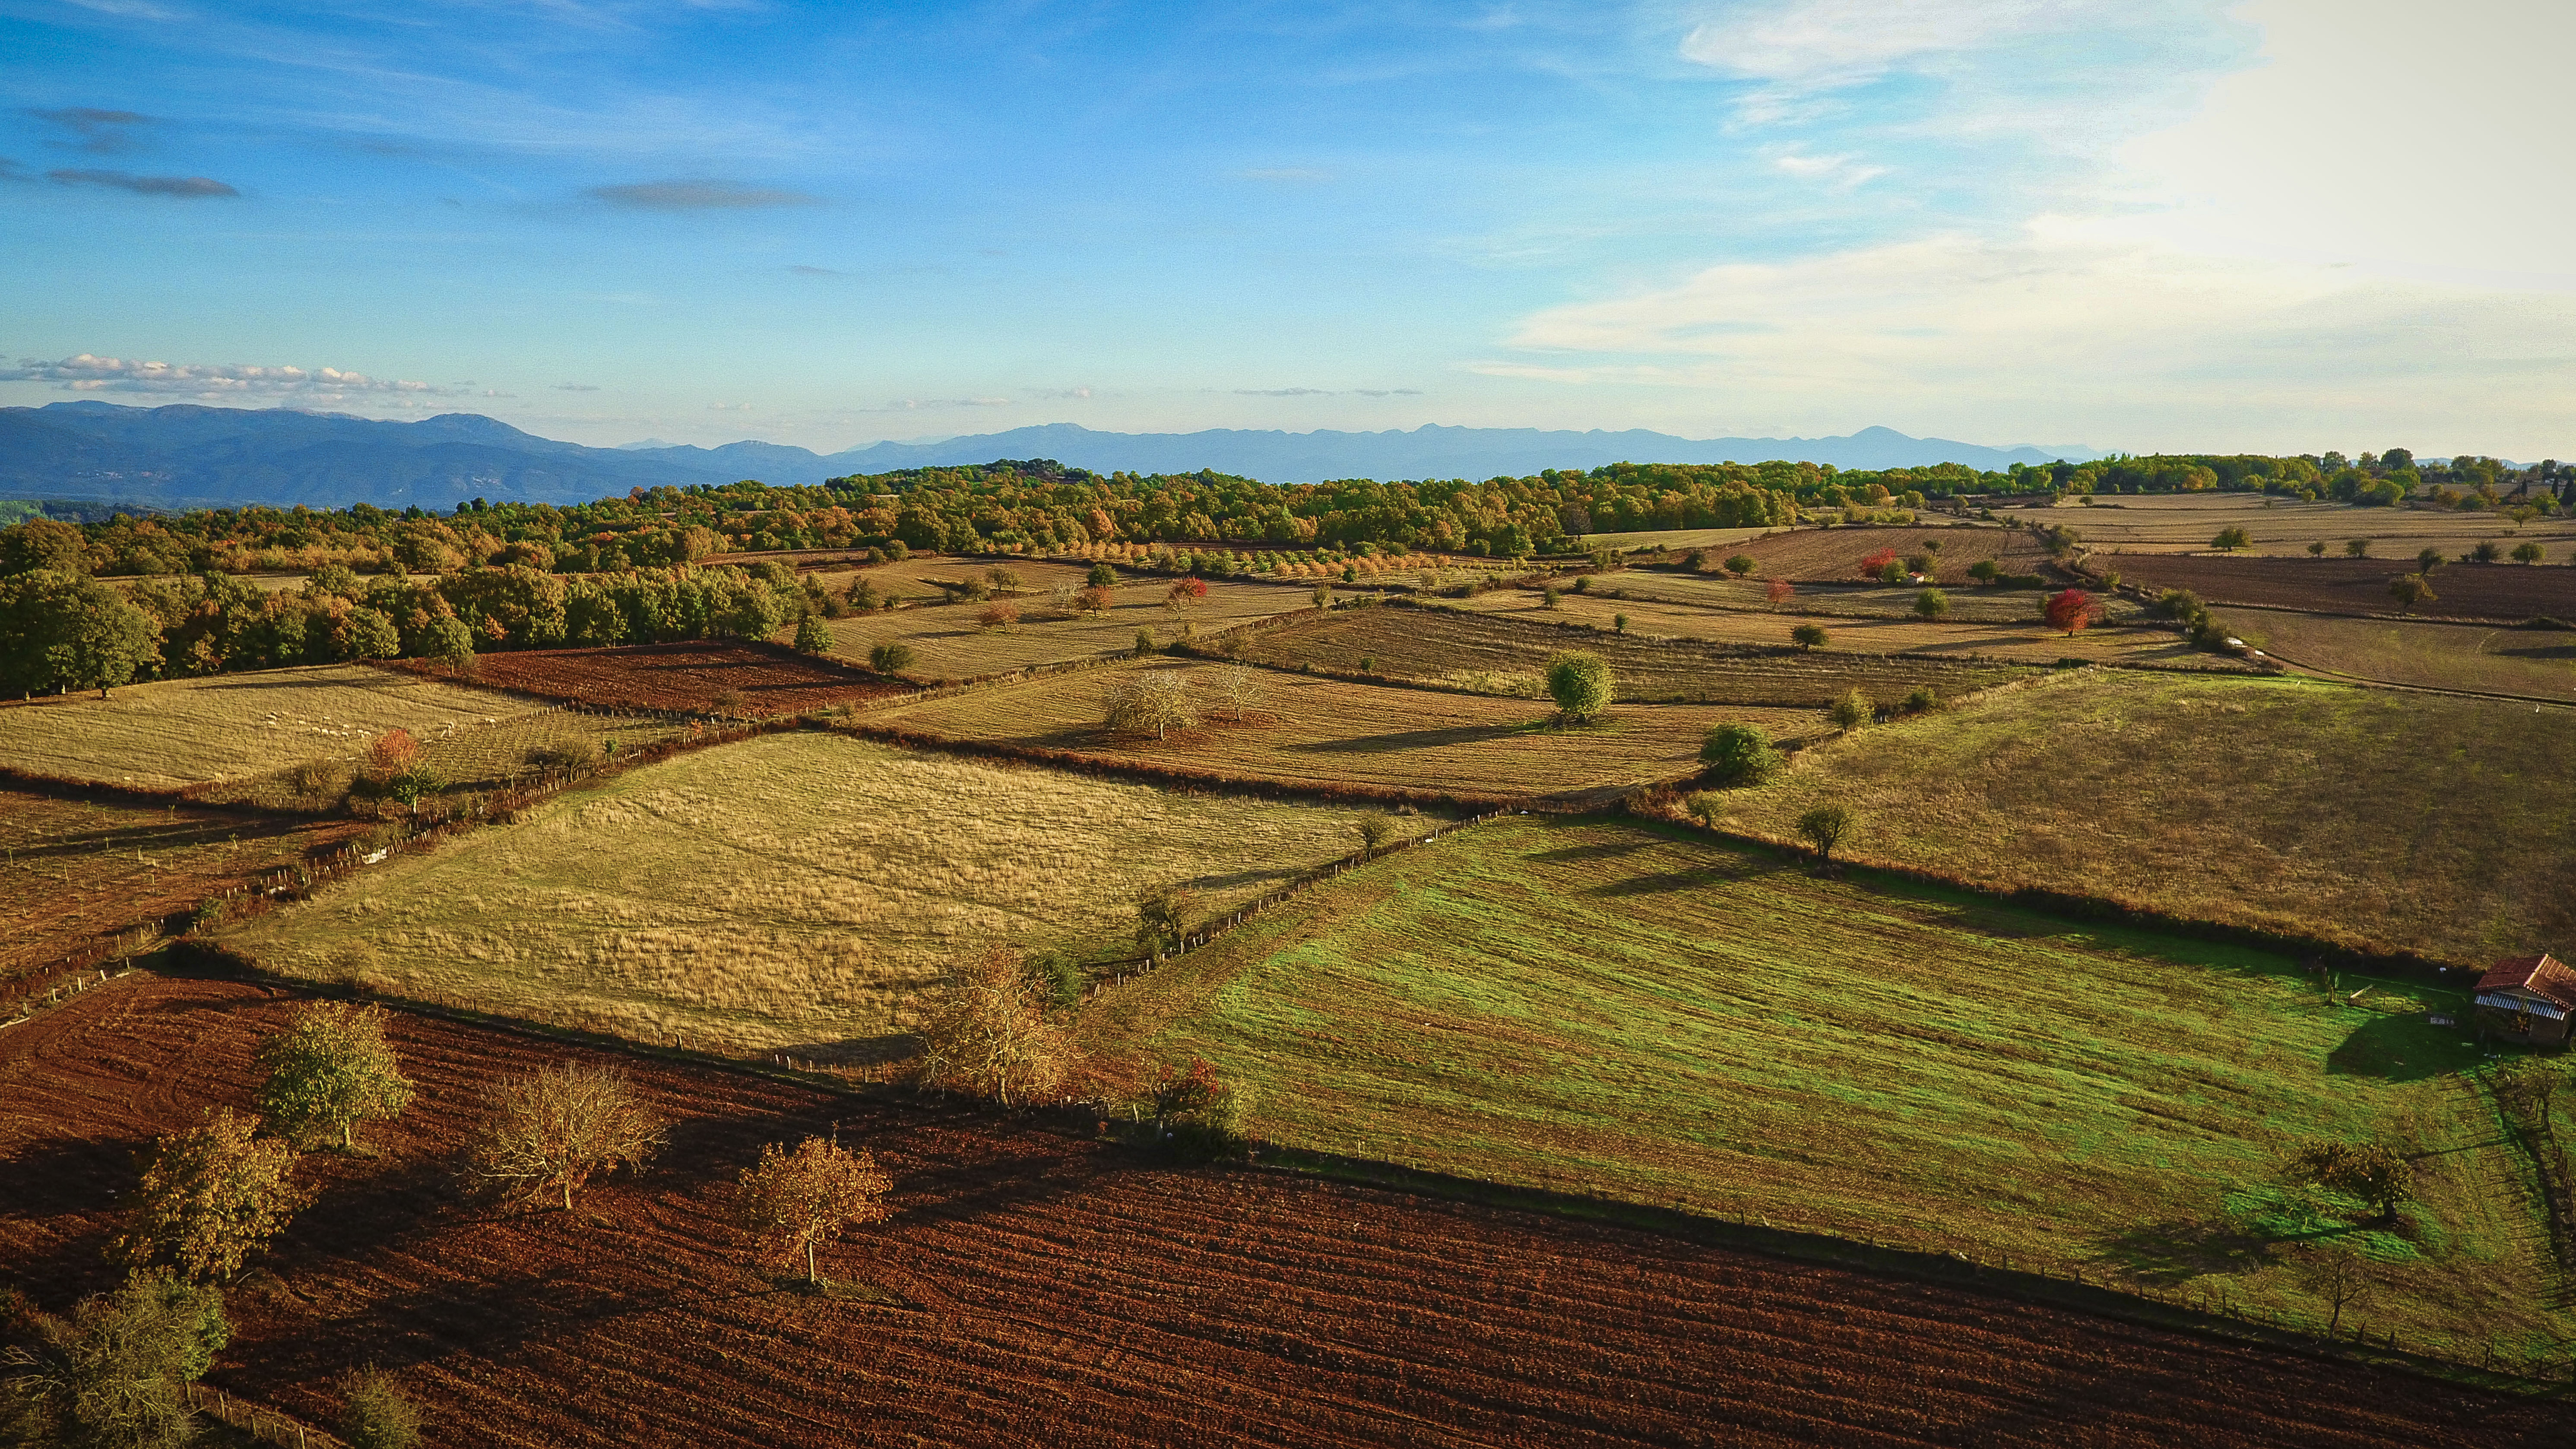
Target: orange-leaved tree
(1875,566)
(211,1195)
(795,1201)
(1185,592)
(2070,610)
(989,1034)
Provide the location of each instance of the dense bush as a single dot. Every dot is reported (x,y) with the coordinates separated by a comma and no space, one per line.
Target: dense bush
(1581,685)
(114,1376)
(1738,754)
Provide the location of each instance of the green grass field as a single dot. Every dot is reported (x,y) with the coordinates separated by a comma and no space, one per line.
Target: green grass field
(2433,823)
(1597,1007)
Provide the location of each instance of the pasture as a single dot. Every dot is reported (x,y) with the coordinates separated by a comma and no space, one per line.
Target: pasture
(2489,658)
(2355,585)
(2174,523)
(792,892)
(183,732)
(1324,733)
(2021,639)
(949,644)
(2435,824)
(1647,1014)
(1499,653)
(1036,1286)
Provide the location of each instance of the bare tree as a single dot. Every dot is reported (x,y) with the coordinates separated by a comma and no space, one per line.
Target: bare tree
(555,1128)
(1156,699)
(1238,688)
(795,1201)
(2336,1277)
(989,1035)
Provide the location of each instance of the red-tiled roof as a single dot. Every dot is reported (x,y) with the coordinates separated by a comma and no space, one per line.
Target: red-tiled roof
(2541,974)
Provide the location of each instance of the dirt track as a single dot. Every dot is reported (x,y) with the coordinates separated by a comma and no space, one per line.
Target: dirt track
(1057,1291)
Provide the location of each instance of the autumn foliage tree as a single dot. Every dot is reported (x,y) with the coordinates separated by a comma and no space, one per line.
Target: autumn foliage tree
(328,1070)
(211,1196)
(989,1034)
(794,1201)
(2070,611)
(113,1376)
(1875,566)
(1779,592)
(552,1130)
(1184,592)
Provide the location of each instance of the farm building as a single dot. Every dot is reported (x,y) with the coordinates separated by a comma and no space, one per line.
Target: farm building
(2527,999)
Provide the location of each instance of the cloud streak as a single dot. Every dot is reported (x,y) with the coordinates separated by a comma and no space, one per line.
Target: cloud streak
(99,130)
(182,187)
(700,194)
(1328,392)
(89,373)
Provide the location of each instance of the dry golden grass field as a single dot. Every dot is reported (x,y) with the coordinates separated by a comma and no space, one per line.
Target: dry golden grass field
(948,643)
(1726,538)
(2284,527)
(793,892)
(2489,658)
(1312,730)
(2435,823)
(2028,641)
(1491,653)
(232,726)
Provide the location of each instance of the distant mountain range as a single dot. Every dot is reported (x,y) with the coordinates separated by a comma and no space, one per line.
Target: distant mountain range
(188,456)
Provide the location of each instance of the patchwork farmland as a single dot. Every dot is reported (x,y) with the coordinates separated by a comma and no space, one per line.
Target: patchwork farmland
(2500,591)
(699,676)
(949,642)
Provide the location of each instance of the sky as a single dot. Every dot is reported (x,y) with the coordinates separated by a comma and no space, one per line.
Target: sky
(2277,225)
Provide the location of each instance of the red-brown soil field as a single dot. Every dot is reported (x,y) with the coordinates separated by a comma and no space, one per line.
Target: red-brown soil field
(1834,554)
(79,870)
(692,676)
(1039,1287)
(2354,585)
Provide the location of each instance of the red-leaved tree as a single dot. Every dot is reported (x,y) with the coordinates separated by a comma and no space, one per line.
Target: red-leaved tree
(1780,591)
(1872,566)
(1185,592)
(2070,611)
(390,754)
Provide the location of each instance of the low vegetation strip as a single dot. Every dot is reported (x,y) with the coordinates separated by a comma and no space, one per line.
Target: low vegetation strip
(1509,655)
(2341,585)
(1112,1300)
(2479,658)
(791,892)
(1328,734)
(2377,819)
(184,732)
(1593,1007)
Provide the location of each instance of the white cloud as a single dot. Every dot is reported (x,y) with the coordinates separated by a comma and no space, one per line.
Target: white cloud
(88,373)
(1842,171)
(1823,43)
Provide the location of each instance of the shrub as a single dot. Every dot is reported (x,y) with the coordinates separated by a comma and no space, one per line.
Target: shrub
(2317,548)
(553,1129)
(1057,978)
(2529,553)
(2428,560)
(1824,828)
(1740,564)
(1159,925)
(1199,1114)
(375,1414)
(999,614)
(1619,623)
(1102,576)
(1323,596)
(1375,829)
(1931,604)
(1738,754)
(1002,578)
(1144,643)
(1548,597)
(329,1069)
(1583,584)
(211,1196)
(1580,684)
(1918,563)
(891,658)
(988,1035)
(1892,573)
(2357,547)
(795,1201)
(2180,604)
(2487,551)
(1923,700)
(1809,636)
(2410,590)
(1852,711)
(812,637)
(111,1377)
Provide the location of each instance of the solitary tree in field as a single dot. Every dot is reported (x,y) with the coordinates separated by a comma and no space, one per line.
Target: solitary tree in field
(1183,593)
(1580,684)
(2232,539)
(812,637)
(553,1129)
(796,1201)
(1102,576)
(1809,636)
(1094,601)
(1323,596)
(1984,571)
(1852,711)
(375,1413)
(999,614)
(2529,553)
(1156,699)
(2487,551)
(2411,589)
(2316,548)
(1738,754)
(1931,604)
(2357,547)
(1376,828)
(2375,1172)
(2070,610)
(1824,828)
(328,1070)
(212,1195)
(115,1373)
(1238,688)
(1740,564)
(1778,592)
(2335,1276)
(2427,560)
(989,1035)
(891,658)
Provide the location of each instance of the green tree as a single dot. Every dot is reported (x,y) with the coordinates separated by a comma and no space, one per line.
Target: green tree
(1931,604)
(2357,547)
(369,634)
(330,1069)
(1581,685)
(2410,590)
(1375,828)
(793,1202)
(69,631)
(1824,828)
(812,637)
(2316,548)
(1738,754)
(1740,564)
(1102,576)
(2232,538)
(1852,711)
(2428,560)
(448,641)
(1984,571)
(1809,636)
(375,1413)
(2374,1172)
(113,1377)
(211,1196)
(2529,553)
(43,543)
(891,658)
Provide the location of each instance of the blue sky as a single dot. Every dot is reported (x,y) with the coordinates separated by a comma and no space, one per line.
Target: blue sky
(2284,224)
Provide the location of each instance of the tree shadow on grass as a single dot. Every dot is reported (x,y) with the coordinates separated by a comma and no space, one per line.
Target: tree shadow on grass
(2180,1250)
(1403,740)
(2401,1047)
(1669,880)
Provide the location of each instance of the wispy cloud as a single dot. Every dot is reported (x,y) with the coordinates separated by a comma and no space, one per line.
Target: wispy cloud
(1328,392)
(184,187)
(97,130)
(576,387)
(1841,171)
(698,195)
(1808,44)
(89,373)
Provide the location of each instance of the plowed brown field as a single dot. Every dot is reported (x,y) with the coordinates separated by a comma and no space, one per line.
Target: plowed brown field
(691,676)
(1834,554)
(2355,585)
(1039,1288)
